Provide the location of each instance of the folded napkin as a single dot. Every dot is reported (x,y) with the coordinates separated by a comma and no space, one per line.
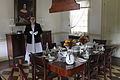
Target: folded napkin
(81,60)
(95,51)
(50,58)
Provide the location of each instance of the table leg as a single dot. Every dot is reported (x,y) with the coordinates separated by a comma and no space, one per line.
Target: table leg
(110,66)
(88,75)
(9,60)
(77,77)
(104,67)
(59,77)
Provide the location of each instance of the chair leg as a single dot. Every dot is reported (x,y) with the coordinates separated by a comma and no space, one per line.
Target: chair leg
(33,73)
(59,77)
(88,75)
(83,77)
(45,73)
(110,66)
(97,69)
(9,60)
(76,77)
(104,67)
(11,74)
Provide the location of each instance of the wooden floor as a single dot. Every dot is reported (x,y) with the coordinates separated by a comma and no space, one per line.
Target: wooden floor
(115,69)
(4,64)
(116,61)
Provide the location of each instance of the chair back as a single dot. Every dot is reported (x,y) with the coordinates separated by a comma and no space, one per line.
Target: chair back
(92,65)
(100,41)
(38,63)
(93,61)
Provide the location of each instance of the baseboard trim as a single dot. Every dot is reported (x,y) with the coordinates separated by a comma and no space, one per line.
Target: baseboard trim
(116,57)
(4,58)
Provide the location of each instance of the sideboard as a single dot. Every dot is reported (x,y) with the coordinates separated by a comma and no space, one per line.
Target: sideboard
(15,45)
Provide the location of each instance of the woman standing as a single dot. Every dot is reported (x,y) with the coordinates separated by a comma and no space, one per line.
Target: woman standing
(33,32)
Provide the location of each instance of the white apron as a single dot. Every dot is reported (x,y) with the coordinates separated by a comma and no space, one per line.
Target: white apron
(32,48)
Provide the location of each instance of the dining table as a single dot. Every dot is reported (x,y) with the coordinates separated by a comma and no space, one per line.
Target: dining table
(62,69)
(66,70)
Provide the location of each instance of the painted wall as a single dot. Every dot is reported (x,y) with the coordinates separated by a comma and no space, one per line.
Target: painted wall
(58,23)
(48,21)
(95,19)
(111,23)
(6,13)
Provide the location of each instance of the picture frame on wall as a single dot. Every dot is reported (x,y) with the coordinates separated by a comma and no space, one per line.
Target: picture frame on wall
(23,9)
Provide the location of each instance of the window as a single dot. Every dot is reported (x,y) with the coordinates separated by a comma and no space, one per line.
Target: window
(79,18)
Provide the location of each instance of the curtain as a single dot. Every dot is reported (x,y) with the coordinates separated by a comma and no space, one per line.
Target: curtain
(79,18)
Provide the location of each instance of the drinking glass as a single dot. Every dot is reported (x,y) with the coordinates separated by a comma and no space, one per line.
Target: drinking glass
(59,57)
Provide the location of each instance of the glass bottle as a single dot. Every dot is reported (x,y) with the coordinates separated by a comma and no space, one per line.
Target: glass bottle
(47,49)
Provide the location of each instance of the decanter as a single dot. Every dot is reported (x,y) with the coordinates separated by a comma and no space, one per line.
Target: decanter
(47,49)
(70,59)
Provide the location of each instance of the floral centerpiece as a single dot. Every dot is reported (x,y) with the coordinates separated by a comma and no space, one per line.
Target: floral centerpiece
(70,43)
(70,59)
(83,39)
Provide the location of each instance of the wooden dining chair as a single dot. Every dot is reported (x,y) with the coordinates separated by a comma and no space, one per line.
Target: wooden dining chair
(105,61)
(22,75)
(108,58)
(39,67)
(99,41)
(92,66)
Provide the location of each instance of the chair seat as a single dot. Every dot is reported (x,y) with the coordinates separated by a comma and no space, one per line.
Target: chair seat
(40,71)
(50,76)
(99,41)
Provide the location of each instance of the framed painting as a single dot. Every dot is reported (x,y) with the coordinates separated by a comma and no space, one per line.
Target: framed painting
(23,9)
